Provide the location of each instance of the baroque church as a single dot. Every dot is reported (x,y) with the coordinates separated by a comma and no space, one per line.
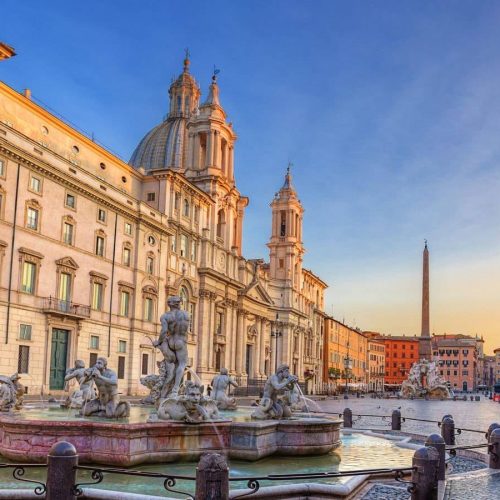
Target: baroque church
(91,247)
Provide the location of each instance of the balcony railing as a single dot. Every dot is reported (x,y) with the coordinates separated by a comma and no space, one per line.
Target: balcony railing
(65,307)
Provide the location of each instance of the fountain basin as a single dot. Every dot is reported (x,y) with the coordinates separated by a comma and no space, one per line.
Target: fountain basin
(124,443)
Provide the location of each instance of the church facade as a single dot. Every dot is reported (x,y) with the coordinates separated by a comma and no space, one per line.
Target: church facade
(91,247)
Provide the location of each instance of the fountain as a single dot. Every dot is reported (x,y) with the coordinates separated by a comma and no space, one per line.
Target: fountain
(183,424)
(424,380)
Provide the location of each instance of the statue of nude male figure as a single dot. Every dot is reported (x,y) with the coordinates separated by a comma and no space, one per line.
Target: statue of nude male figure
(172,341)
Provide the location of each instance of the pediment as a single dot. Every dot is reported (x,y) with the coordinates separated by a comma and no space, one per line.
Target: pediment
(67,262)
(257,292)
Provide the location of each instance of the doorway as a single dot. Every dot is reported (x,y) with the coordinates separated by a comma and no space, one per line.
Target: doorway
(58,358)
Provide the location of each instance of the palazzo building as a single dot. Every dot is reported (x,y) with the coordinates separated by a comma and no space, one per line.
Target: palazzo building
(91,247)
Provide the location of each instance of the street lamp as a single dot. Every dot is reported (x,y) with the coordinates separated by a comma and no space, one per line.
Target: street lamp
(276,334)
(347,367)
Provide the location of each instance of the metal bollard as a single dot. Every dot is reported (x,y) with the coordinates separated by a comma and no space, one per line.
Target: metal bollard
(347,418)
(396,420)
(448,430)
(426,461)
(61,475)
(494,449)
(212,478)
(437,442)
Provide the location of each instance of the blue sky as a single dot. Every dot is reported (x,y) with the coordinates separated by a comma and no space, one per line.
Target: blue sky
(389,111)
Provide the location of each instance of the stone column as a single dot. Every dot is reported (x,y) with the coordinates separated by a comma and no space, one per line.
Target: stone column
(262,367)
(258,343)
(203,339)
(208,155)
(239,342)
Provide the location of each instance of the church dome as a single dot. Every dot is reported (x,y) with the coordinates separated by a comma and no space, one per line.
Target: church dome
(161,147)
(164,146)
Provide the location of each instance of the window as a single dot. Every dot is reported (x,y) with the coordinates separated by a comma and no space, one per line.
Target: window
(2,198)
(145,364)
(99,246)
(151,196)
(32,218)
(65,287)
(184,245)
(219,321)
(196,214)
(2,168)
(221,223)
(122,346)
(121,367)
(282,223)
(128,228)
(70,200)
(25,332)
(97,295)
(126,256)
(92,359)
(68,233)
(185,208)
(150,265)
(177,200)
(173,243)
(23,359)
(148,309)
(101,215)
(124,303)
(94,342)
(28,277)
(35,184)
(281,263)
(193,250)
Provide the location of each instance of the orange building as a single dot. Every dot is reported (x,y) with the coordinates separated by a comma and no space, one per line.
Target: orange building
(343,344)
(400,354)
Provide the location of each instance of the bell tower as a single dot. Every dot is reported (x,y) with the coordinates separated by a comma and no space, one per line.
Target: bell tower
(211,140)
(285,247)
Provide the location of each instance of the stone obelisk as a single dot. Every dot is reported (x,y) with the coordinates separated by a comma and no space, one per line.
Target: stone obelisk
(425,350)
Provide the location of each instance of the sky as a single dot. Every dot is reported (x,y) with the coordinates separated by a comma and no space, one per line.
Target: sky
(389,112)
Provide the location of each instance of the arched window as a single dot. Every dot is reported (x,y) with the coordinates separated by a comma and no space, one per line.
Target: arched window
(221,223)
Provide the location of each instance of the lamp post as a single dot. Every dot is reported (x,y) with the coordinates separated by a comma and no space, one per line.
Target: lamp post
(276,334)
(347,367)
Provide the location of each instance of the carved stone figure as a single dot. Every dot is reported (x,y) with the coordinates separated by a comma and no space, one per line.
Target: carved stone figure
(11,393)
(86,391)
(159,385)
(191,406)
(107,403)
(270,407)
(220,385)
(172,343)
(424,380)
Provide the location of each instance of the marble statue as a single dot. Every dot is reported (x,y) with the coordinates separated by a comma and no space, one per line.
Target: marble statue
(424,380)
(190,406)
(11,393)
(159,384)
(220,385)
(270,406)
(172,343)
(85,392)
(107,403)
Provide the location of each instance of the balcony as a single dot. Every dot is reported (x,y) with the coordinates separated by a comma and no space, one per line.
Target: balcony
(65,308)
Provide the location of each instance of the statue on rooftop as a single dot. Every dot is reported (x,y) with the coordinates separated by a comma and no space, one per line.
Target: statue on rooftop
(270,406)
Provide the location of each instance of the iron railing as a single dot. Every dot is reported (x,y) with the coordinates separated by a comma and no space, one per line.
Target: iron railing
(66,307)
(18,471)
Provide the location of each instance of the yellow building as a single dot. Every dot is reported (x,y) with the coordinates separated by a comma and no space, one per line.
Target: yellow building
(344,347)
(91,247)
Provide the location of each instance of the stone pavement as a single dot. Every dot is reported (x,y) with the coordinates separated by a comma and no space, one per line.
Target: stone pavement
(483,485)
